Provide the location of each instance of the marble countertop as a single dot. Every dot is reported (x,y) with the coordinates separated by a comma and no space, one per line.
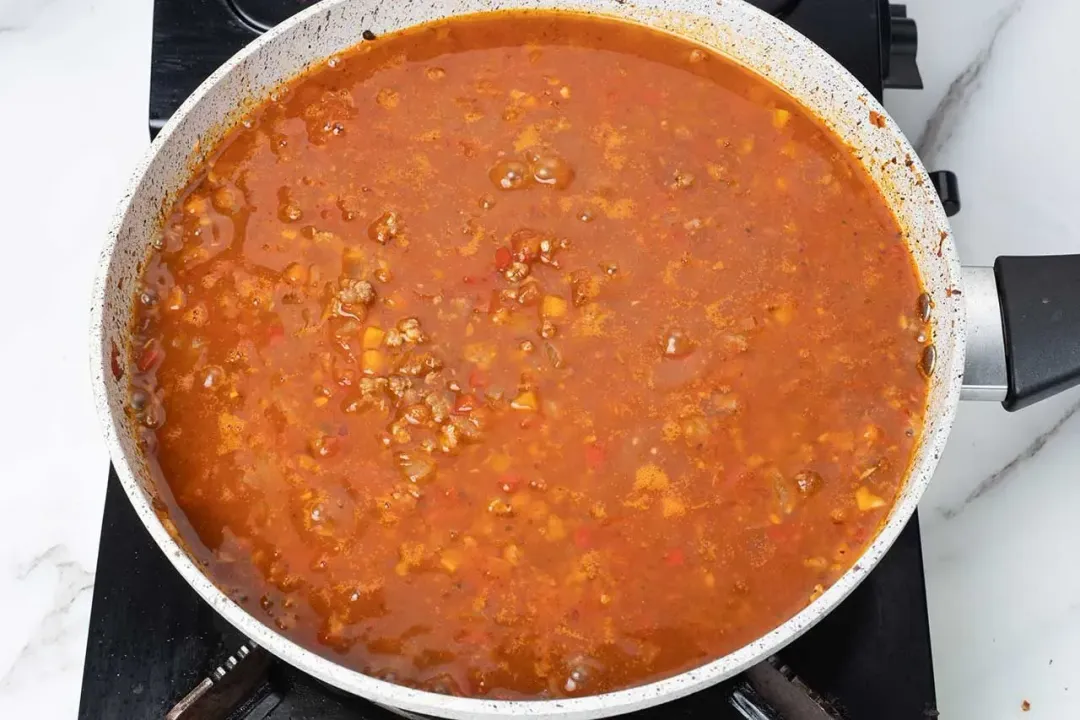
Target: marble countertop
(999,522)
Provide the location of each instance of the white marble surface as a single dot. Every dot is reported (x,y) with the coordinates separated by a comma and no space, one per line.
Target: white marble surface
(1000,525)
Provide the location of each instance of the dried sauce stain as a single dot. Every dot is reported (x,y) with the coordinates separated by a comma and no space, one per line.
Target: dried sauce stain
(116,364)
(497,372)
(942,237)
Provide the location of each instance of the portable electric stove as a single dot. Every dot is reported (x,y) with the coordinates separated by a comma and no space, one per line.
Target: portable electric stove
(156,650)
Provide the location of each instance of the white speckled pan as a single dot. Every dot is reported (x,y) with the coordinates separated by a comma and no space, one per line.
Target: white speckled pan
(730,27)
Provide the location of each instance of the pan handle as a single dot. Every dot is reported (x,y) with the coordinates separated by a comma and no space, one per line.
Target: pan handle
(1023,318)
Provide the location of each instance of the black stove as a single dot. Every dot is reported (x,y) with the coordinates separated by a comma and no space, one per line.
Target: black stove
(153,642)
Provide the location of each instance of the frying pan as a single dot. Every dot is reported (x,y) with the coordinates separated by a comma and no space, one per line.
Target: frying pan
(1017,324)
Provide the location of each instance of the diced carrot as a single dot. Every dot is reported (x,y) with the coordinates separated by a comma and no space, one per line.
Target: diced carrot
(478,378)
(675,557)
(372,362)
(525,401)
(373,337)
(866,500)
(552,306)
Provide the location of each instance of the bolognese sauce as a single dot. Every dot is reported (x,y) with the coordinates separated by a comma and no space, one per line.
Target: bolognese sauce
(528,355)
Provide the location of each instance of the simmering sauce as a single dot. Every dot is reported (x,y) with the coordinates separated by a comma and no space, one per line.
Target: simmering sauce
(528,355)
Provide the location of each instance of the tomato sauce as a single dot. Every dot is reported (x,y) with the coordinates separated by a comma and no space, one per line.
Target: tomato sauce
(528,355)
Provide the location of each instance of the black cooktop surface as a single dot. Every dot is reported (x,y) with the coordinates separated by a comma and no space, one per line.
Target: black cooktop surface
(871,38)
(152,640)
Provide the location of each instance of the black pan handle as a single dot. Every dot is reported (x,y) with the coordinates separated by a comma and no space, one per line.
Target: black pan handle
(1040,315)
(1023,320)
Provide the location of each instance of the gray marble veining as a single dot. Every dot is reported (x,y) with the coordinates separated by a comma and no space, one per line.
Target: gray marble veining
(940,125)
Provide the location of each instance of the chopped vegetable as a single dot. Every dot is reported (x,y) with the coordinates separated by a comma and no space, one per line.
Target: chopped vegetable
(866,500)
(553,306)
(525,401)
(498,506)
(373,338)
(372,362)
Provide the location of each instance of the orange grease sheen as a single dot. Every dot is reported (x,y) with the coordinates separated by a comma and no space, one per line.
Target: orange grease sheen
(528,356)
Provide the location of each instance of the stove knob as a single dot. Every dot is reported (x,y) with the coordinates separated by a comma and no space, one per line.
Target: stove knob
(948,189)
(901,44)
